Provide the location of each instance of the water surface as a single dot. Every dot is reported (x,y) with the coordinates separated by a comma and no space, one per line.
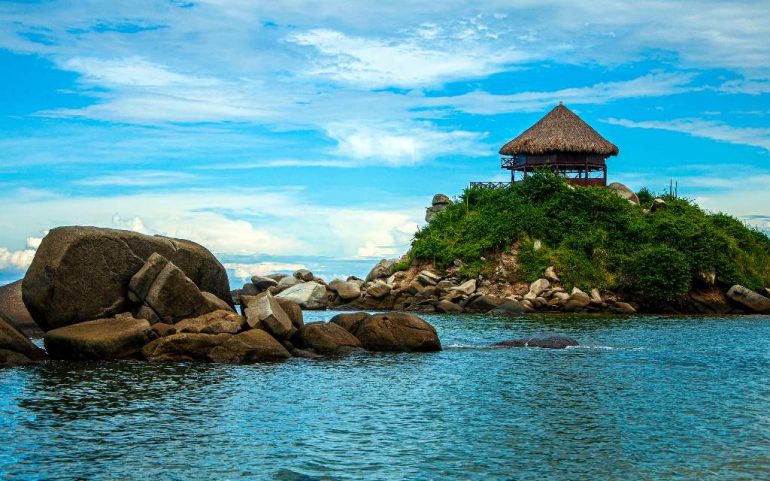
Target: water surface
(642,398)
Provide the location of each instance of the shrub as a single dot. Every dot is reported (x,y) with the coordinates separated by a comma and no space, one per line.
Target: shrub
(661,273)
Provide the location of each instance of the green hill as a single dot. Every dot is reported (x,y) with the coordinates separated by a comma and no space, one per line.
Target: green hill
(594,238)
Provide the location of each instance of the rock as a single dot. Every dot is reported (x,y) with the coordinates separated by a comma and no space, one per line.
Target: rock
(349,321)
(428,278)
(448,307)
(767,291)
(304,275)
(708,277)
(264,311)
(13,358)
(577,300)
(326,338)
(624,192)
(292,310)
(657,205)
(250,346)
(162,329)
(169,293)
(249,289)
(381,270)
(12,305)
(539,286)
(215,322)
(277,276)
(288,281)
(184,346)
(378,290)
(750,299)
(548,341)
(13,340)
(622,308)
(550,275)
(263,283)
(110,338)
(485,303)
(309,295)
(467,287)
(346,290)
(101,262)
(398,332)
(438,204)
(236,295)
(596,296)
(215,303)
(441,199)
(510,308)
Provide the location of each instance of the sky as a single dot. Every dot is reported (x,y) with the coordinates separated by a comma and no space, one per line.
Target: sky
(292,133)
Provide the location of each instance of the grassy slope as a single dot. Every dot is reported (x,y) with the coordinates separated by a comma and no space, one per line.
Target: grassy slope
(596,239)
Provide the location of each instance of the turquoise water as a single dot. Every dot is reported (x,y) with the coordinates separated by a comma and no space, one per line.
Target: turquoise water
(643,398)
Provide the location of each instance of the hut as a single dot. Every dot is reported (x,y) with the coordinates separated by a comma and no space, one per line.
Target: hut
(563,142)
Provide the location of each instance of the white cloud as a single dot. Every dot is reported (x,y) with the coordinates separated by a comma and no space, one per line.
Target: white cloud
(752,136)
(130,71)
(20,259)
(244,271)
(134,178)
(746,86)
(652,85)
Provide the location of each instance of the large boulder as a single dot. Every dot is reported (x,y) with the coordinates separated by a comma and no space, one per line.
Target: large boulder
(346,290)
(448,307)
(624,192)
(12,305)
(326,338)
(749,299)
(263,283)
(167,294)
(349,321)
(484,303)
(397,331)
(264,311)
(309,295)
(15,347)
(292,310)
(111,338)
(438,204)
(381,270)
(82,273)
(577,300)
(304,275)
(468,287)
(547,341)
(510,307)
(378,290)
(250,346)
(183,346)
(288,281)
(215,322)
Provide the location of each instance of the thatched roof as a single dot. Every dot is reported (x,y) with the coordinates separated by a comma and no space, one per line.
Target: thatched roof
(559,131)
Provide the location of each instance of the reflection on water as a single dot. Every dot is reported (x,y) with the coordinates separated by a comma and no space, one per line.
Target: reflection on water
(643,398)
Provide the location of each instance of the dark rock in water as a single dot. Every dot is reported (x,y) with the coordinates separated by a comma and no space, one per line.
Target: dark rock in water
(183,347)
(82,273)
(250,289)
(12,340)
(448,307)
(112,338)
(263,283)
(349,321)
(485,303)
(292,310)
(250,346)
(326,338)
(548,341)
(264,312)
(397,332)
(509,308)
(216,322)
(13,307)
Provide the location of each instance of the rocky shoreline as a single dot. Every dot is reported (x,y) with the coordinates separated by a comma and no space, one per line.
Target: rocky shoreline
(425,289)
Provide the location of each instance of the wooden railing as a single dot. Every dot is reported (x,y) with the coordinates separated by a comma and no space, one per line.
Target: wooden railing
(489,185)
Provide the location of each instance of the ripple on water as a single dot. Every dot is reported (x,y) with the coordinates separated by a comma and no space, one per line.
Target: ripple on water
(646,398)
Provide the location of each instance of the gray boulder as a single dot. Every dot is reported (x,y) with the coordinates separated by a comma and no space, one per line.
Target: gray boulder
(448,307)
(624,192)
(217,322)
(349,321)
(113,338)
(381,270)
(265,312)
(101,262)
(309,295)
(263,283)
(247,347)
(346,290)
(288,281)
(378,290)
(657,205)
(577,300)
(184,346)
(292,310)
(15,347)
(13,307)
(510,308)
(749,299)
(304,275)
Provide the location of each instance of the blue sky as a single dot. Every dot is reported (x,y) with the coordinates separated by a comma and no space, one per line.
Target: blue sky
(314,133)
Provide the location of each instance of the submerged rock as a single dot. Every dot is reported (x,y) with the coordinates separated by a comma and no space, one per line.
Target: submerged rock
(397,332)
(247,347)
(547,341)
(183,346)
(101,262)
(111,338)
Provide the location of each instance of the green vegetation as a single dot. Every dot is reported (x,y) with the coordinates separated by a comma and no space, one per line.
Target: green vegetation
(595,238)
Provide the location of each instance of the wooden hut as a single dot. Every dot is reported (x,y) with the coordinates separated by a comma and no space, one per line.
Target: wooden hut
(563,142)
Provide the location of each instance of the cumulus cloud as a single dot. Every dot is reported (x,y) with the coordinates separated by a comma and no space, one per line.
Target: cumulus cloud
(244,271)
(19,260)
